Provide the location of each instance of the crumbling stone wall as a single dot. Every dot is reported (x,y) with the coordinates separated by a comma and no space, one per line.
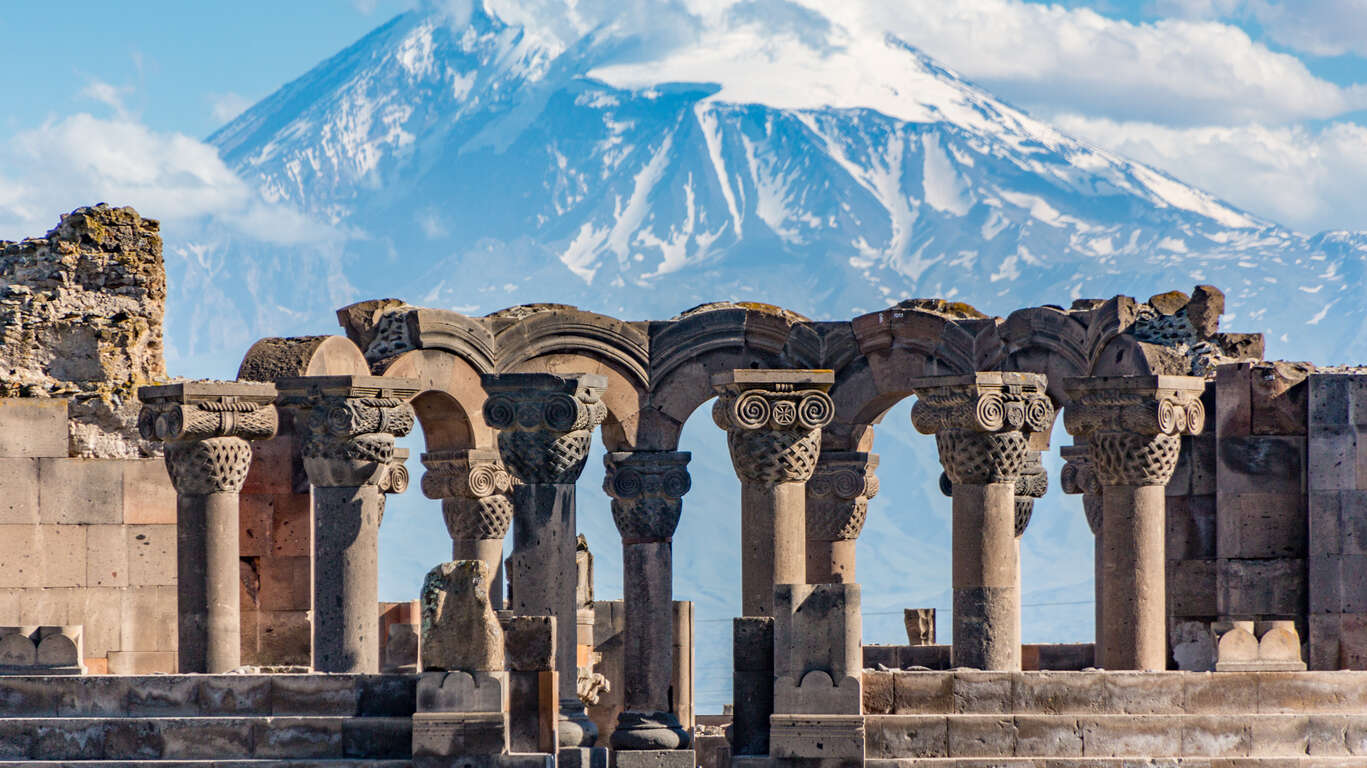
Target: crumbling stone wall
(81,318)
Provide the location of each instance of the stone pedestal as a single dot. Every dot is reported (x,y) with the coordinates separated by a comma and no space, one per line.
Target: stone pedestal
(773,421)
(647,489)
(474,489)
(1133,427)
(207,427)
(981,424)
(347,426)
(533,698)
(838,496)
(545,424)
(818,673)
(752,691)
(655,758)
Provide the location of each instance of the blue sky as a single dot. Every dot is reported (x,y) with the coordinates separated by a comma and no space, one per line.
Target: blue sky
(1262,102)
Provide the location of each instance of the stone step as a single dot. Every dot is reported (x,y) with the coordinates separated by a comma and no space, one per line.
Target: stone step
(305,763)
(1087,693)
(211,695)
(205,738)
(1122,763)
(1234,735)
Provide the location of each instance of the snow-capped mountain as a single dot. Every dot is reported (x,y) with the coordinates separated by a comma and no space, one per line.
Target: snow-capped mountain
(475,164)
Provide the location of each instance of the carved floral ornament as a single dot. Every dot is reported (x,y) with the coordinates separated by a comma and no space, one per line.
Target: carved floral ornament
(206,427)
(1133,424)
(473,486)
(545,422)
(347,425)
(980,422)
(647,489)
(838,495)
(773,421)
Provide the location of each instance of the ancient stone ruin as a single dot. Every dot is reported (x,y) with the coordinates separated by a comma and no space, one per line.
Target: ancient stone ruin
(219,603)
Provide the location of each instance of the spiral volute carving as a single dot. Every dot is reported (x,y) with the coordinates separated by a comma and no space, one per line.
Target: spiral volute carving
(647,489)
(774,433)
(1133,427)
(545,423)
(838,495)
(207,428)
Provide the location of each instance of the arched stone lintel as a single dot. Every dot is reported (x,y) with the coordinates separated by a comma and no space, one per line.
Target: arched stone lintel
(450,404)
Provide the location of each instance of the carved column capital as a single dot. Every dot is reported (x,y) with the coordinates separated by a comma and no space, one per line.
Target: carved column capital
(1078,477)
(647,489)
(473,486)
(1032,484)
(773,420)
(347,425)
(838,495)
(1133,424)
(207,426)
(981,422)
(545,422)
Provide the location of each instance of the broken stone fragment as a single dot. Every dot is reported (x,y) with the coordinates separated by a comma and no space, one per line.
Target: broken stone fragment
(460,630)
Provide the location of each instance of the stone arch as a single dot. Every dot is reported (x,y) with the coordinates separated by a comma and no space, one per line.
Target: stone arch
(711,338)
(556,338)
(1047,340)
(450,404)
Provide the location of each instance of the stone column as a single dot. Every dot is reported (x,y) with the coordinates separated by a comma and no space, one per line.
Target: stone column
(545,424)
(207,426)
(773,421)
(1076,478)
(647,489)
(1133,427)
(837,503)
(346,426)
(473,487)
(981,422)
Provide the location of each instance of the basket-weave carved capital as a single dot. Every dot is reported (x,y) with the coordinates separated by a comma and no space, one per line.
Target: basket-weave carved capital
(1133,424)
(1032,484)
(981,422)
(347,425)
(838,495)
(1078,477)
(207,427)
(647,489)
(545,422)
(473,487)
(773,421)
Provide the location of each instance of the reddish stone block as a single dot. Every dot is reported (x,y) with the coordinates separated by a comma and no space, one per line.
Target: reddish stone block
(272,468)
(1233,397)
(286,583)
(291,526)
(254,521)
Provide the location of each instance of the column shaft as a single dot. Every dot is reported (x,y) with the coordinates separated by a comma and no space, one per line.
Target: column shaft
(346,625)
(542,572)
(773,542)
(986,577)
(830,562)
(209,593)
(648,592)
(1133,578)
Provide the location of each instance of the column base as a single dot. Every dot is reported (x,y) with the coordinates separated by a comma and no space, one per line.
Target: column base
(576,729)
(582,757)
(649,731)
(655,758)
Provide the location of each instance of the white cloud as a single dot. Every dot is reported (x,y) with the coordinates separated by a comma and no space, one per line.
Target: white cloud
(226,106)
(1321,27)
(1307,179)
(107,94)
(82,159)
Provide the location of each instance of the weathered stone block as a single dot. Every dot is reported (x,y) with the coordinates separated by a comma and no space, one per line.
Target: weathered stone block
(94,696)
(33,427)
(286,583)
(197,739)
(31,696)
(1144,693)
(378,738)
(1330,400)
(923,693)
(22,554)
(151,555)
(1262,525)
(1333,458)
(1280,398)
(100,614)
(1192,587)
(981,736)
(68,740)
(148,496)
(1129,736)
(529,642)
(297,738)
(313,695)
(1216,736)
(137,740)
(460,630)
(1190,527)
(980,693)
(18,491)
(283,637)
(18,649)
(1298,692)
(254,519)
(817,737)
(1262,587)
(80,491)
(878,692)
(654,758)
(272,469)
(63,548)
(1233,396)
(235,695)
(1219,693)
(1261,464)
(106,556)
(169,696)
(387,695)
(50,607)
(465,734)
(1054,693)
(1048,736)
(291,532)
(149,619)
(1327,735)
